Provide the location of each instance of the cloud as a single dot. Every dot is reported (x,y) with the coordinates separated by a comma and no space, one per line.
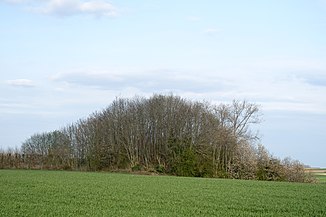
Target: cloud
(15,1)
(63,8)
(278,84)
(149,81)
(313,79)
(211,31)
(21,83)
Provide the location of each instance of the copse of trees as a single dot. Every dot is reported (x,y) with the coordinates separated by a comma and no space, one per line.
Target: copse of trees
(162,134)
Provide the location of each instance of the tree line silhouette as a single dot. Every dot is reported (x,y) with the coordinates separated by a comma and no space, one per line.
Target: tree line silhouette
(161,134)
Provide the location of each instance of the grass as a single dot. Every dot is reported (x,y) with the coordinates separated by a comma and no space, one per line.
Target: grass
(321,178)
(319,173)
(61,193)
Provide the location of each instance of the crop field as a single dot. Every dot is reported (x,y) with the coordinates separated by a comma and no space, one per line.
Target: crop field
(321,178)
(319,173)
(62,193)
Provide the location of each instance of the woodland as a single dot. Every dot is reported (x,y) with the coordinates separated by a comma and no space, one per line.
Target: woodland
(162,134)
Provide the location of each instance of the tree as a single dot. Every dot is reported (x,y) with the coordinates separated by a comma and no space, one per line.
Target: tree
(164,133)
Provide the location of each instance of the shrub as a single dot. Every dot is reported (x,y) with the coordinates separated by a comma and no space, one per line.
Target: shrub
(137,167)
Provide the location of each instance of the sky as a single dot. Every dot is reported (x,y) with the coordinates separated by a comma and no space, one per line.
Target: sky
(61,60)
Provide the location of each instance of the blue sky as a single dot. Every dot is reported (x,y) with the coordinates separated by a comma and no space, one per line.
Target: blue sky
(61,60)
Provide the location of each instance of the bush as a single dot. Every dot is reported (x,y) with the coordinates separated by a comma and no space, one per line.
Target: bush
(137,167)
(160,168)
(185,164)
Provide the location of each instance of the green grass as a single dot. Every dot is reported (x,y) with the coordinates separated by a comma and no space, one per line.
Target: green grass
(60,193)
(319,173)
(321,178)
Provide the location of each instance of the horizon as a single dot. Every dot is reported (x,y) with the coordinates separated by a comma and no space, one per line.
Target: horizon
(61,60)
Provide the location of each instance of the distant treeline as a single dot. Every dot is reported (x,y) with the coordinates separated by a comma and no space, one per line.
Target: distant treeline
(162,134)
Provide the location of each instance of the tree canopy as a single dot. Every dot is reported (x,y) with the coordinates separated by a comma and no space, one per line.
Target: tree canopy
(161,134)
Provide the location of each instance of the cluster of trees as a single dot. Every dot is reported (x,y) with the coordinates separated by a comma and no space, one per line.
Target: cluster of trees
(163,134)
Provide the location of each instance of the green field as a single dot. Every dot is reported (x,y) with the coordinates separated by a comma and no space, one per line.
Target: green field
(60,193)
(321,178)
(319,173)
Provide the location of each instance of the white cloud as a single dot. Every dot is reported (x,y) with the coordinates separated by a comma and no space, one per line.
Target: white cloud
(276,84)
(146,80)
(21,83)
(212,31)
(16,1)
(97,8)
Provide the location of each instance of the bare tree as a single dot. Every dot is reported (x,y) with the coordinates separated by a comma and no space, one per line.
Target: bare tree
(165,133)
